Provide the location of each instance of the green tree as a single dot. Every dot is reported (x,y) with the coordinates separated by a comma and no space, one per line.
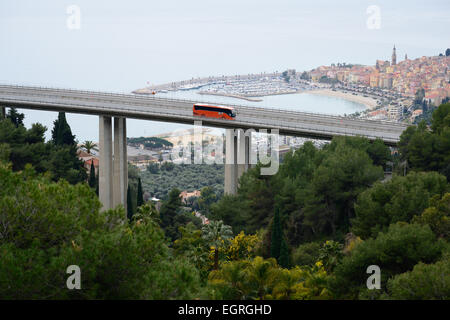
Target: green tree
(5,152)
(330,254)
(53,225)
(64,164)
(168,212)
(399,199)
(284,254)
(130,211)
(167,166)
(207,198)
(89,146)
(61,133)
(232,210)
(379,153)
(306,254)
(424,282)
(395,251)
(92,177)
(429,150)
(153,167)
(342,175)
(217,235)
(15,117)
(261,274)
(193,247)
(278,246)
(140,195)
(437,216)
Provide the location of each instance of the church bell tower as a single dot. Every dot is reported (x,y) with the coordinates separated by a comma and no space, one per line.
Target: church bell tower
(394,57)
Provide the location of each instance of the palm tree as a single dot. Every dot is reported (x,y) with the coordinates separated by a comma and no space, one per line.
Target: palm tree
(260,275)
(234,274)
(89,145)
(218,235)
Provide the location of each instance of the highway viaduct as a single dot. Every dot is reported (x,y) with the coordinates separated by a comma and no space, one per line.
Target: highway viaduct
(113,109)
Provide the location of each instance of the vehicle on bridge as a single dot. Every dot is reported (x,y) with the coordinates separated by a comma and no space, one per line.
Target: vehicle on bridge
(210,111)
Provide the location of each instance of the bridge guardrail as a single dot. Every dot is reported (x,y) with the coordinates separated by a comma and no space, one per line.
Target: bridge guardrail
(218,121)
(167,103)
(145,97)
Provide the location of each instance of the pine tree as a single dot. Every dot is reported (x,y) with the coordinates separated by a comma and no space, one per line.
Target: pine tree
(15,117)
(168,212)
(92,178)
(129,204)
(61,133)
(140,196)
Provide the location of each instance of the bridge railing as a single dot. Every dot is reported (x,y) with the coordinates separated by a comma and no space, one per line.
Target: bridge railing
(146,97)
(169,104)
(167,114)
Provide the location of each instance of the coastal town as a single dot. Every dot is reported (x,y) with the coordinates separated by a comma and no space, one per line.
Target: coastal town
(391,90)
(403,91)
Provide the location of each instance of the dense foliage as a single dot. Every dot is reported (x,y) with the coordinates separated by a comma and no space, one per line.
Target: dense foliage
(48,226)
(429,150)
(150,142)
(158,180)
(27,146)
(311,231)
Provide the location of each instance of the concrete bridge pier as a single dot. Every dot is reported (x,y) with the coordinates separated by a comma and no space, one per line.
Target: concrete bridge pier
(113,171)
(237,157)
(120,179)
(230,162)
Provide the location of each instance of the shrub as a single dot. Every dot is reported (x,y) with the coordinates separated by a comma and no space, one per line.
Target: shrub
(306,254)
(395,251)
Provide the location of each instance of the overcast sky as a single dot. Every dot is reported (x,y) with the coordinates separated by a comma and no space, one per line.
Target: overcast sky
(123,45)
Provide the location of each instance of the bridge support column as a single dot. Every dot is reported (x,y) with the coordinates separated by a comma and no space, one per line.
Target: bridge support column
(113,171)
(237,158)
(105,165)
(230,162)
(120,179)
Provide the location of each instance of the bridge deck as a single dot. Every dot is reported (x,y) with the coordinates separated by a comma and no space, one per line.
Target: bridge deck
(180,111)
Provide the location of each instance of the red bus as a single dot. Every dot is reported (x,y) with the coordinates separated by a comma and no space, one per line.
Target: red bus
(220,112)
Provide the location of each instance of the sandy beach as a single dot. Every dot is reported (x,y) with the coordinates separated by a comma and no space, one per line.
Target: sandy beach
(370,103)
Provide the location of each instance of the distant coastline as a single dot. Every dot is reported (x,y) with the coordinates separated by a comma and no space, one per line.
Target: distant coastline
(369,102)
(230,95)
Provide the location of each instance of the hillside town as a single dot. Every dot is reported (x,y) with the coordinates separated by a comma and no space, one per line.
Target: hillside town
(405,77)
(394,90)
(396,84)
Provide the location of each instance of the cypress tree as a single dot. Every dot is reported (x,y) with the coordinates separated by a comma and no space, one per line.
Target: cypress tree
(61,133)
(284,254)
(140,196)
(275,244)
(278,246)
(92,178)
(96,185)
(129,204)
